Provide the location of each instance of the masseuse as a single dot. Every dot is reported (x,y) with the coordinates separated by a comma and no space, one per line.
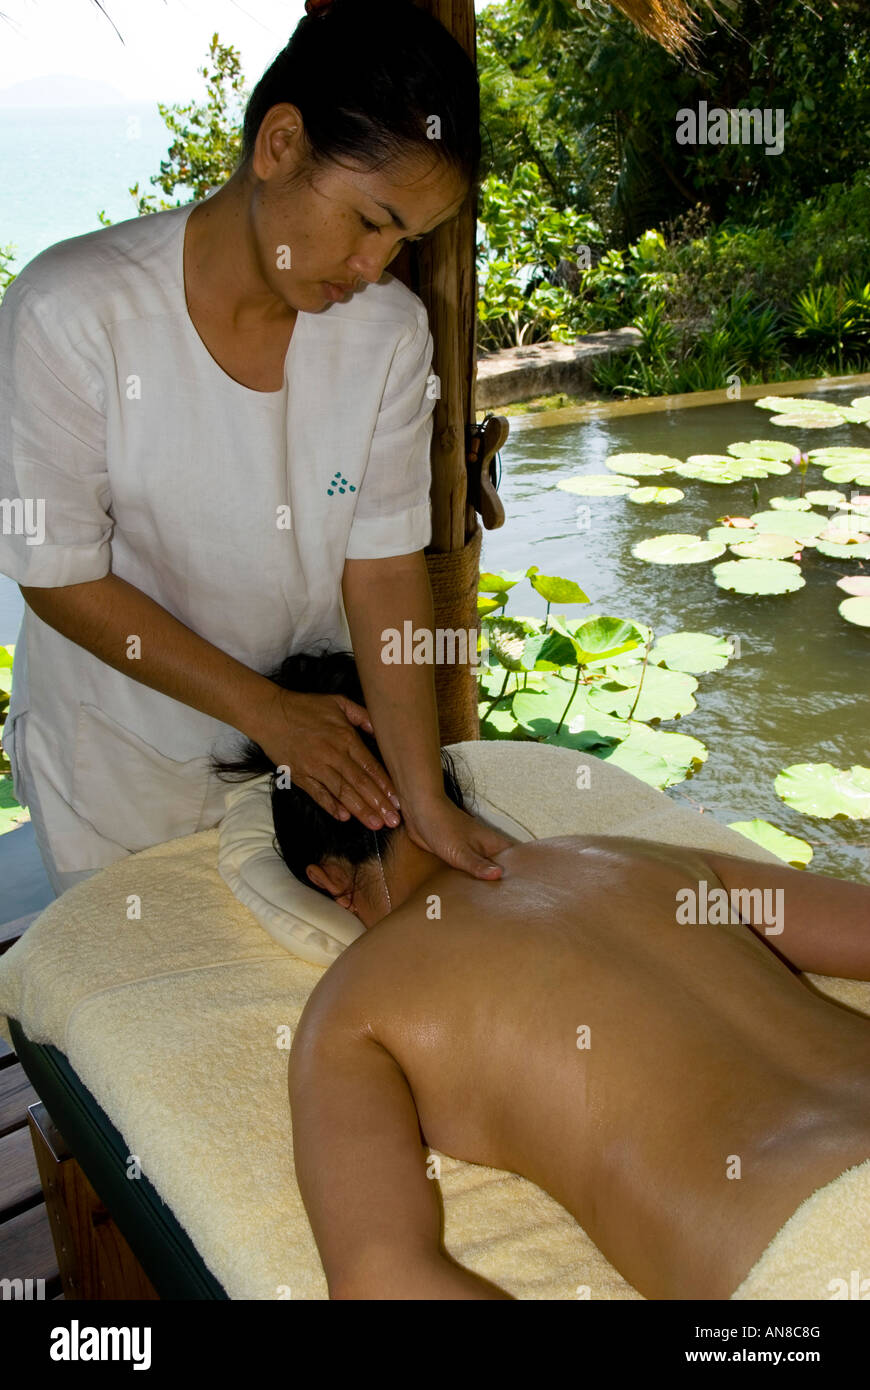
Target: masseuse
(232,460)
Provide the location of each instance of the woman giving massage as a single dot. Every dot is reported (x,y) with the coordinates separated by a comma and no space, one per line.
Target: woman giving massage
(677,1087)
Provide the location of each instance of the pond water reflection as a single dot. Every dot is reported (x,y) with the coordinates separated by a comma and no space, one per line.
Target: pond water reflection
(800,690)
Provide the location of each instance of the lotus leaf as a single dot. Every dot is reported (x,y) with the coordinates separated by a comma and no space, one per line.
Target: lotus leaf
(819,789)
(695,652)
(856,610)
(786,847)
(664,694)
(680,754)
(597,485)
(808,420)
(790,504)
(710,469)
(767,545)
(499,583)
(644,465)
(759,576)
(826,497)
(663,496)
(763,449)
(677,548)
(804,526)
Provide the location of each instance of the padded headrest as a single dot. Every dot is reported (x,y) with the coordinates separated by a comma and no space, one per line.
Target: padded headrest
(304,921)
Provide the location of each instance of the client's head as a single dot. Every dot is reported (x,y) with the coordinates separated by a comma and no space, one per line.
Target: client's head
(344,860)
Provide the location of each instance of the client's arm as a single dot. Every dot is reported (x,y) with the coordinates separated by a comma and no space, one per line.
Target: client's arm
(816,923)
(361,1169)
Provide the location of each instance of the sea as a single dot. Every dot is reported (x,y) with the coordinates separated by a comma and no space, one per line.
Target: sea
(59,168)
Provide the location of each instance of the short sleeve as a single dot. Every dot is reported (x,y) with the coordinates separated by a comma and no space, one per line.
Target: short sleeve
(393,512)
(53,471)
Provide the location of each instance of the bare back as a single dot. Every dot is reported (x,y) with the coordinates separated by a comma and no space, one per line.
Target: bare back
(677,1087)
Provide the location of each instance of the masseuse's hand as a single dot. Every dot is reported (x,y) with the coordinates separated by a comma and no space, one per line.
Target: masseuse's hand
(458,838)
(314,735)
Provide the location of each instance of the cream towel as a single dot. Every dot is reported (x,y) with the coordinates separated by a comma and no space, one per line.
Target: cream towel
(174,1020)
(823,1250)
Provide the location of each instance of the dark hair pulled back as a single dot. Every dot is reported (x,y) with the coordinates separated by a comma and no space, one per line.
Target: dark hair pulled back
(305,833)
(367,76)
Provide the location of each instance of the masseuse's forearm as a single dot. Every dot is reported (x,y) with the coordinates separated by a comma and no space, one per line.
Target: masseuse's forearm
(104,614)
(400,699)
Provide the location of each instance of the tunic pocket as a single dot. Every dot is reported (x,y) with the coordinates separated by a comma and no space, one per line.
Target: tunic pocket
(128,790)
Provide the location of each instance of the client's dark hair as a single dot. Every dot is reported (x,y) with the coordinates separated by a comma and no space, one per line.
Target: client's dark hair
(305,833)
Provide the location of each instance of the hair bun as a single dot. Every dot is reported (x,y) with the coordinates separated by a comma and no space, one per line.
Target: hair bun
(315,6)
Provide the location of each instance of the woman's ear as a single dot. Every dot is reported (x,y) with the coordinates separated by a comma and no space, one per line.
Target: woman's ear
(334,879)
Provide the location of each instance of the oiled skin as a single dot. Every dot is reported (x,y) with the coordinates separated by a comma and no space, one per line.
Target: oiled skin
(707,1054)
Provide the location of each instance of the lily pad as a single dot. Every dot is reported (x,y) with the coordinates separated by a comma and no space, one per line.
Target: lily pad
(759,576)
(712,468)
(790,504)
(859,503)
(793,403)
(644,465)
(808,420)
(499,723)
(835,551)
(802,413)
(489,603)
(826,497)
(663,496)
(786,847)
(677,548)
(658,757)
(641,762)
(819,789)
(695,652)
(845,530)
(664,695)
(763,449)
(597,485)
(555,589)
(803,526)
(767,545)
(856,610)
(848,473)
(763,468)
(855,584)
(861,406)
(730,535)
(585,726)
(499,583)
(841,453)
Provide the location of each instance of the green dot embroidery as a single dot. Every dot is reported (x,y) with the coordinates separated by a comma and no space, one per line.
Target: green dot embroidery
(340,482)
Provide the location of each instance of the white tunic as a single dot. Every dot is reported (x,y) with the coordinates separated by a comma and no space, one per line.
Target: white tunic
(148,460)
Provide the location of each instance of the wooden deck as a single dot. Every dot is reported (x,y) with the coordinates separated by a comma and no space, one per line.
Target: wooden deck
(26,1245)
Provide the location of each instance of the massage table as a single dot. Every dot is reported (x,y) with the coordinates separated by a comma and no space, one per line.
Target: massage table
(152,1007)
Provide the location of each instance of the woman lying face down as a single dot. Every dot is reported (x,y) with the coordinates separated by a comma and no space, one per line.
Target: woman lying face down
(665,1075)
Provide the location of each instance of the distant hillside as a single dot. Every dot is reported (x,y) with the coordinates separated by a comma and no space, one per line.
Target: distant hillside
(62,89)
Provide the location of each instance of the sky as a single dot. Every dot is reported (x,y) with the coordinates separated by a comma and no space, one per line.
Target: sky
(165,41)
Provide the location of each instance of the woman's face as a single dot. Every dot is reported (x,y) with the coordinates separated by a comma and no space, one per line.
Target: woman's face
(339,230)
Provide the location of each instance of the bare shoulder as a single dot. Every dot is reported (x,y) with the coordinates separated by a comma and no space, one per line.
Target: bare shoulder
(351,993)
(573,844)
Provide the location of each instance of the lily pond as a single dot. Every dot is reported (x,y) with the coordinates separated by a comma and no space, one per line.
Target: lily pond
(749,528)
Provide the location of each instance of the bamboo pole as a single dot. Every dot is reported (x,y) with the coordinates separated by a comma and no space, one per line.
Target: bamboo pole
(441,270)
